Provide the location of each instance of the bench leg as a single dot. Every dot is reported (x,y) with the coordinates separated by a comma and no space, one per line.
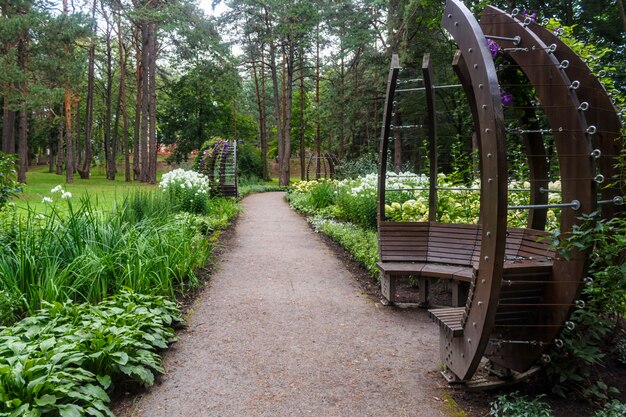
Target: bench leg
(424,285)
(459,293)
(388,286)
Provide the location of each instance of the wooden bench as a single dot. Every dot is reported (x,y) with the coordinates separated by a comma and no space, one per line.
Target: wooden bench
(432,250)
(427,251)
(527,266)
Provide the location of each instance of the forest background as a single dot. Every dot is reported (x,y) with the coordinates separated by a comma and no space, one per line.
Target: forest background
(86,82)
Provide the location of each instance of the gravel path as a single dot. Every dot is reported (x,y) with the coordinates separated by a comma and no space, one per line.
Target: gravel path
(284,330)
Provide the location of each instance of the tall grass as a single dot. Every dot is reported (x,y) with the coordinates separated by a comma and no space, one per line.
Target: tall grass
(80,253)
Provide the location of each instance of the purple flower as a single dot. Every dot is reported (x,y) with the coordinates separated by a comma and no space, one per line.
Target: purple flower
(507,98)
(532,16)
(493,47)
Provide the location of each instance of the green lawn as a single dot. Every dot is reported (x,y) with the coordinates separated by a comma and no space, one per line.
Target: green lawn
(39,183)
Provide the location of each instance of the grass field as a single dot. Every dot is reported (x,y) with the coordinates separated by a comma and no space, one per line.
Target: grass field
(102,191)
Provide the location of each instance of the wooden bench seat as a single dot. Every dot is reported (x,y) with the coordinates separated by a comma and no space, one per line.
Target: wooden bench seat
(449,319)
(432,250)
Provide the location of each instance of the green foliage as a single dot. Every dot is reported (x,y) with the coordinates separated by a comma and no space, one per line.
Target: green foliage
(8,186)
(358,167)
(322,196)
(612,409)
(362,244)
(10,306)
(515,405)
(61,361)
(573,366)
(86,255)
(249,161)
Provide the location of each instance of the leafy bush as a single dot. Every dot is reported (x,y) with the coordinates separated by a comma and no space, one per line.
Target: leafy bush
(249,162)
(612,409)
(572,368)
(187,189)
(10,306)
(62,360)
(362,244)
(8,186)
(515,405)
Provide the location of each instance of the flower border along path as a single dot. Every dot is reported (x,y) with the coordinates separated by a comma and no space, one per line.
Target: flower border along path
(284,330)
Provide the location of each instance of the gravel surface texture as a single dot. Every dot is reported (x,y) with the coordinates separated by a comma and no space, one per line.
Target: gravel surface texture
(285,330)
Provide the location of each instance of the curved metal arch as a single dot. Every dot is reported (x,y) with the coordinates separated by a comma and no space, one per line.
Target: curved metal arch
(560,104)
(462,355)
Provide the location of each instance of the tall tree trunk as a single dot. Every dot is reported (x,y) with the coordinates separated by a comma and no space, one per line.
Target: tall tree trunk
(109,148)
(145,95)
(318,136)
(138,104)
(67,108)
(290,61)
(274,76)
(261,118)
(51,143)
(85,172)
(266,175)
(281,144)
(23,55)
(69,150)
(122,95)
(152,103)
(60,152)
(78,150)
(8,128)
(342,106)
(302,125)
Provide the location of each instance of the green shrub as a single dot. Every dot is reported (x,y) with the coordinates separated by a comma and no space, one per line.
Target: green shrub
(10,306)
(62,360)
(515,405)
(188,190)
(612,409)
(8,186)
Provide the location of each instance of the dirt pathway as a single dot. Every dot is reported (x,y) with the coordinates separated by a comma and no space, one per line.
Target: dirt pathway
(284,330)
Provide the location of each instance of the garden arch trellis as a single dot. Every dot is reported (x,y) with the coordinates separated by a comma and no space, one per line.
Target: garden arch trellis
(521,293)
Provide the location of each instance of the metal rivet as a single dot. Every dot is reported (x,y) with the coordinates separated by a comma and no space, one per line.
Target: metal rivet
(580,304)
(546,358)
(474,323)
(484,107)
(487,130)
(558,343)
(570,325)
(470,50)
(469,340)
(480,86)
(488,234)
(489,155)
(475,66)
(489,180)
(456,23)
(482,281)
(486,258)
(449,16)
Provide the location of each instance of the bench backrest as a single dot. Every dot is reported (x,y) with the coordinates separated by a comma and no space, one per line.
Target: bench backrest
(455,244)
